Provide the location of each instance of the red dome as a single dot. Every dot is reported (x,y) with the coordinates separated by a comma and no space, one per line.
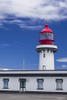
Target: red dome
(46,30)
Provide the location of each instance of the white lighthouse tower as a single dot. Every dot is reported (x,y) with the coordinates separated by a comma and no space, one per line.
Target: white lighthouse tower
(46,49)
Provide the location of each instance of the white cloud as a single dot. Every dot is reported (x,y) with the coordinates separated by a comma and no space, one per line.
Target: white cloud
(29,27)
(4,45)
(55,10)
(64,66)
(62,60)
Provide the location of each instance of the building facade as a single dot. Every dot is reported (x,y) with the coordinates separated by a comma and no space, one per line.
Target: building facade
(46,79)
(33,81)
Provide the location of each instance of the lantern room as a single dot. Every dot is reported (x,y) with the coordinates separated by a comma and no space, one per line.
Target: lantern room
(46,36)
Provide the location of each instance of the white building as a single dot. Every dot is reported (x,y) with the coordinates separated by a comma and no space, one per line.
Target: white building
(33,81)
(46,79)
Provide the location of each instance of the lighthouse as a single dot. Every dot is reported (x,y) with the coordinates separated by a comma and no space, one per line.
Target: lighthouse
(46,49)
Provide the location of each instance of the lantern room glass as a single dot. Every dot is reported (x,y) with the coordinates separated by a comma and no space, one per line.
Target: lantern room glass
(48,36)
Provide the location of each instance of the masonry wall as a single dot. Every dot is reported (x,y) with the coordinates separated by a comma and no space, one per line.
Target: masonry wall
(13,84)
(47,61)
(49,84)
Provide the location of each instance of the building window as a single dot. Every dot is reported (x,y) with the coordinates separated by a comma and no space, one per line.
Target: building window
(59,84)
(5,83)
(40,83)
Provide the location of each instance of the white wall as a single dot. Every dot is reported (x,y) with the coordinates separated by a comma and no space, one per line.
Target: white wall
(31,84)
(49,84)
(13,83)
(48,60)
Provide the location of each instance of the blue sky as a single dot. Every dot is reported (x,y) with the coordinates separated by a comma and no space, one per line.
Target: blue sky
(20,25)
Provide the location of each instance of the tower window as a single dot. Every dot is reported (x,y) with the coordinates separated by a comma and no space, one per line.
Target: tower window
(44,55)
(40,83)
(59,83)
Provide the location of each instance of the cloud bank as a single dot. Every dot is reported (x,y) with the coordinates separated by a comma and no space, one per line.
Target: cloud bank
(53,10)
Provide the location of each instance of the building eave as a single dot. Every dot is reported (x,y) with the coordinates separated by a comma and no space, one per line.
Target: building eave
(33,73)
